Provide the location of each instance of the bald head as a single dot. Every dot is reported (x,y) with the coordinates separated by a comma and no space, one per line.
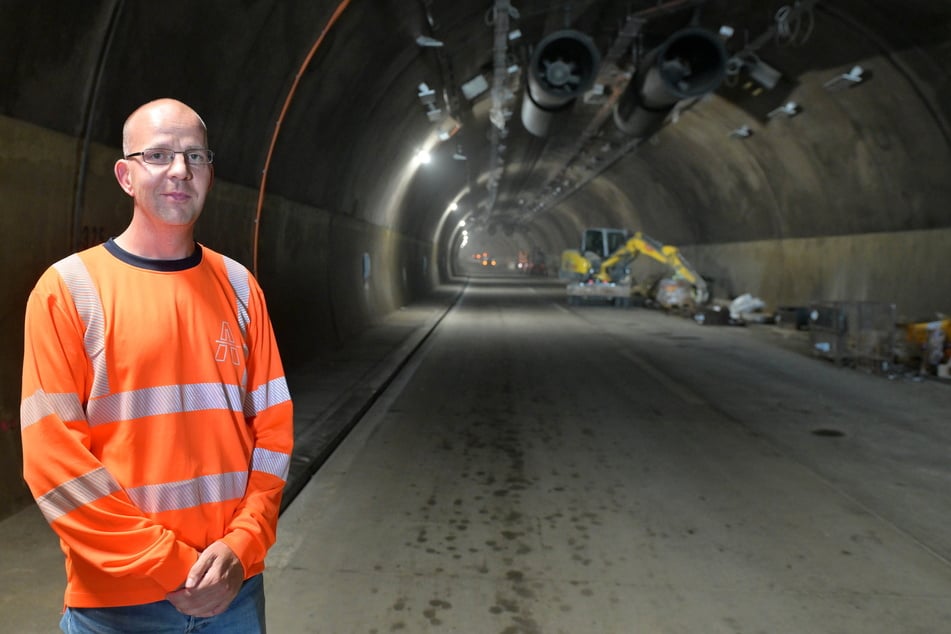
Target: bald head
(169,114)
(168,195)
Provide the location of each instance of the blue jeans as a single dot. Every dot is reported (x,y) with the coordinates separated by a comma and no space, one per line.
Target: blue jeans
(245,615)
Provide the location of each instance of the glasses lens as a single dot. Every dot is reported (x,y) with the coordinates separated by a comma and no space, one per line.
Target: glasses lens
(199,157)
(163,156)
(158,156)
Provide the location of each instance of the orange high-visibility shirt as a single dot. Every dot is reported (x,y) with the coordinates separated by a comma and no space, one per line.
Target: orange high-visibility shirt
(155,418)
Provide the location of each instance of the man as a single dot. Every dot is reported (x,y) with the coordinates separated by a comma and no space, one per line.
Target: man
(156,421)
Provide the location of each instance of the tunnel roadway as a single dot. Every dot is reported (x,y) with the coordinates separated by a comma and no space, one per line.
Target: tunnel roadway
(539,468)
(518,465)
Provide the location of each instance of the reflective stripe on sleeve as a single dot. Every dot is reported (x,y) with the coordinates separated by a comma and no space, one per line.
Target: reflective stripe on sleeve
(167,399)
(89,306)
(77,492)
(271,393)
(238,277)
(173,496)
(65,406)
(273,462)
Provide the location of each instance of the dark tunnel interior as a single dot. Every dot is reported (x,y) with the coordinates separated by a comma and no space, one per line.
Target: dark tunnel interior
(797,151)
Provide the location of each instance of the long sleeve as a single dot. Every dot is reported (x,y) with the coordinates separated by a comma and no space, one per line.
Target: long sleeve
(94,517)
(156,419)
(269,412)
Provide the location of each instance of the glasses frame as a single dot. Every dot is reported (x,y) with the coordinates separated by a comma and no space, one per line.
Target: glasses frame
(184,153)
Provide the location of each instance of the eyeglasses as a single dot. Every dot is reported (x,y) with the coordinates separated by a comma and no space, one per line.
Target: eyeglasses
(164,156)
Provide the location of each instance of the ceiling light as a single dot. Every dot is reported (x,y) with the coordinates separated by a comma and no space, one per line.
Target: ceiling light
(428,42)
(856,75)
(475,87)
(764,74)
(426,94)
(422,157)
(788,109)
(742,132)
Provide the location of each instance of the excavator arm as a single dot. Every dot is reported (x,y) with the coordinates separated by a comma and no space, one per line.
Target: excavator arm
(614,267)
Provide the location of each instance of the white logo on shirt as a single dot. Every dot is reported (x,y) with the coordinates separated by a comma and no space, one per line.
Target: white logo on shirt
(226,343)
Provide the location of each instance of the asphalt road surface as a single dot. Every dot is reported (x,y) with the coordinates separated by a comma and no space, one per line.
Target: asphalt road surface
(540,468)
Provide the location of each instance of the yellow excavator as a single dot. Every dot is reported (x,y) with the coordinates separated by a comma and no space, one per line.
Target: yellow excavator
(601,268)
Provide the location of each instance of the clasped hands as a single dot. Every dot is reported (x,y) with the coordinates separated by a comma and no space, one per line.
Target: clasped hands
(212,584)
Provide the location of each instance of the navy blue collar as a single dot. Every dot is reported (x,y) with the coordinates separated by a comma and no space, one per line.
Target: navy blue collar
(166,266)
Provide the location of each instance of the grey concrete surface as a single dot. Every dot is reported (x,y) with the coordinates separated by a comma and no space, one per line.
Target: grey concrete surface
(537,469)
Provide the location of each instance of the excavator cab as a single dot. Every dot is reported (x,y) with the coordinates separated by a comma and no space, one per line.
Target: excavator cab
(596,245)
(603,242)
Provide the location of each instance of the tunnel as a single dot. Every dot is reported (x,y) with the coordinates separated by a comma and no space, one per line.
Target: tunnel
(368,155)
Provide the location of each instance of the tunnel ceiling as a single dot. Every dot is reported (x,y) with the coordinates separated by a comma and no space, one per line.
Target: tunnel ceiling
(349,92)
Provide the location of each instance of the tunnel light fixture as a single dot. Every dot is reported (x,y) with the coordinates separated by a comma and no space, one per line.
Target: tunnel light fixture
(422,157)
(741,132)
(475,87)
(855,75)
(453,206)
(788,109)
(427,97)
(726,31)
(428,42)
(426,94)
(764,74)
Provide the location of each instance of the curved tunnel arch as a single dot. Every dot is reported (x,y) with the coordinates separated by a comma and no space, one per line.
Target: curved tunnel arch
(277,129)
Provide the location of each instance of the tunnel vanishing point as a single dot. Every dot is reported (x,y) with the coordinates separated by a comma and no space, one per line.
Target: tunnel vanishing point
(798,150)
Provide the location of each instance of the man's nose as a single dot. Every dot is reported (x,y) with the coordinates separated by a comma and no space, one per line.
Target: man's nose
(179,167)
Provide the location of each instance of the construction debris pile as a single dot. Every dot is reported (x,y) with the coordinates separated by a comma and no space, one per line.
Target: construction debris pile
(868,335)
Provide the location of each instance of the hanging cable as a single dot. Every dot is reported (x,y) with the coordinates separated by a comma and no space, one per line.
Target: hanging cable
(277,127)
(90,103)
(794,24)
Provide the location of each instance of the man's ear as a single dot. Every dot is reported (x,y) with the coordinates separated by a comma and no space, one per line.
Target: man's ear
(124,175)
